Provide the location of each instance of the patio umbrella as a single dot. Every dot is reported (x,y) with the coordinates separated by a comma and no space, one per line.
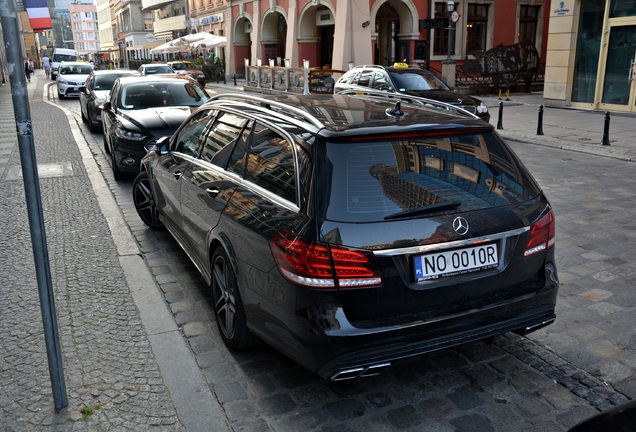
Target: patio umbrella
(194,37)
(169,47)
(213,41)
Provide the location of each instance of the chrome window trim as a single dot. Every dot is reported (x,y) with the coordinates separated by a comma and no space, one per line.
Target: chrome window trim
(450,245)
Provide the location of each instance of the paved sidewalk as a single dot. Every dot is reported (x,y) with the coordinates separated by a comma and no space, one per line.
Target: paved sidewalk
(567,128)
(127,367)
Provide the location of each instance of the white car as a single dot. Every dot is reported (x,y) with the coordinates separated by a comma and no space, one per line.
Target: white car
(156,69)
(72,76)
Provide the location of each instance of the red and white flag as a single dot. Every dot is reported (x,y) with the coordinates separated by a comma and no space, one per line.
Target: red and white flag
(38,13)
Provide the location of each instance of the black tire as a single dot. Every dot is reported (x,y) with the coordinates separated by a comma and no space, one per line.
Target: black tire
(145,203)
(228,306)
(105,142)
(116,171)
(84,119)
(91,124)
(60,96)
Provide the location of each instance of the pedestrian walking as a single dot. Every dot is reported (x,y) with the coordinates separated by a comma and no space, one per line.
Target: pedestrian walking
(27,69)
(46,63)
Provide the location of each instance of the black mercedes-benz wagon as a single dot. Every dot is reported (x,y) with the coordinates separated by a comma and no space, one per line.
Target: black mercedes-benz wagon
(350,231)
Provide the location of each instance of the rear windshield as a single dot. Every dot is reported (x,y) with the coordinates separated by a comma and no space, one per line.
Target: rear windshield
(144,95)
(375,179)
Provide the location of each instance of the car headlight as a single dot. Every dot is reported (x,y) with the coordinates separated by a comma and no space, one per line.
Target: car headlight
(61,80)
(482,108)
(129,135)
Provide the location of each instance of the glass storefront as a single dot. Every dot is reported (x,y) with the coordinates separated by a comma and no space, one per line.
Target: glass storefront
(618,65)
(622,8)
(587,51)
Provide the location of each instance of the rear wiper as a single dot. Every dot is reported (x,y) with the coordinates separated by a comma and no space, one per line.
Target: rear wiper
(449,205)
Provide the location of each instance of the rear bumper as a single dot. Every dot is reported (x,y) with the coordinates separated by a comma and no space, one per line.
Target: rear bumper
(355,353)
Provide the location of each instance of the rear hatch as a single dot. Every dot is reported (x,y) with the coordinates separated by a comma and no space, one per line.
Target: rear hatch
(446,213)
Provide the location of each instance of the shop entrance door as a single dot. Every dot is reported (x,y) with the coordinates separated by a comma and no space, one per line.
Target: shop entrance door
(619,85)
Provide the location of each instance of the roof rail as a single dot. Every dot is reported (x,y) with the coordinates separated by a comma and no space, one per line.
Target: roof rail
(413,100)
(269,103)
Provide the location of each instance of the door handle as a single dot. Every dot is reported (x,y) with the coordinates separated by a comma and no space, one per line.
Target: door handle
(212,192)
(176,175)
(630,78)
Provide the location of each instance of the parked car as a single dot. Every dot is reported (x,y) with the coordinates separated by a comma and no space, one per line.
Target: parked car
(72,76)
(183,67)
(155,68)
(141,110)
(95,92)
(61,55)
(349,232)
(414,81)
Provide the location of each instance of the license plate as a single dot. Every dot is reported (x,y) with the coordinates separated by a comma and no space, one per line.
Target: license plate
(455,262)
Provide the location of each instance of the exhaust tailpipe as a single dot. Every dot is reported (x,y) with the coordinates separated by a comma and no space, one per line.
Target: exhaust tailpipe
(360,372)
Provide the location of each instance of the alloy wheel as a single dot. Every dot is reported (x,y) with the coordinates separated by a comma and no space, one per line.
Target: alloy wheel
(145,202)
(228,306)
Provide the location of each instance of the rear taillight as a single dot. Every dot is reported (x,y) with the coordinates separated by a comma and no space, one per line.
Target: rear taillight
(542,235)
(324,266)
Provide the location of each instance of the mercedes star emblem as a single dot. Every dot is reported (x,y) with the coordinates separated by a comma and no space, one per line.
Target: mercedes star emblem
(460,225)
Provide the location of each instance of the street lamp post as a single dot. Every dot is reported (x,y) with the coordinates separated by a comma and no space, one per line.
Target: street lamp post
(450,7)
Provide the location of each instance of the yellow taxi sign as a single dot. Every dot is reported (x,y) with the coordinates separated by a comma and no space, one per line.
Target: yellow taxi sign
(400,65)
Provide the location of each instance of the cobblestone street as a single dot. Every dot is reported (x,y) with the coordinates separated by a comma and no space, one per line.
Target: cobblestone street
(121,332)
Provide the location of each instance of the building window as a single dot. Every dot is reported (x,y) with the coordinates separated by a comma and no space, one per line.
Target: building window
(148,21)
(476,28)
(528,19)
(440,40)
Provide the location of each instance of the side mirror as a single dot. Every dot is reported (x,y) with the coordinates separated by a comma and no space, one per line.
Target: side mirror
(163,145)
(105,106)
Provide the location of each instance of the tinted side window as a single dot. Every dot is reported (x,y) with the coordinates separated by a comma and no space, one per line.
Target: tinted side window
(364,79)
(190,138)
(270,163)
(223,134)
(380,81)
(349,77)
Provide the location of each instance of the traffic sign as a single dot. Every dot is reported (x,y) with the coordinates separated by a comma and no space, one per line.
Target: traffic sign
(455,16)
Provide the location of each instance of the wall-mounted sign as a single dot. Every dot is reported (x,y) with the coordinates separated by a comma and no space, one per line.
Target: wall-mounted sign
(212,19)
(561,10)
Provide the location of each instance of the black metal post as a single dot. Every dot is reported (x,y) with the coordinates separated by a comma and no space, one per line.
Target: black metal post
(606,129)
(234,76)
(500,120)
(540,124)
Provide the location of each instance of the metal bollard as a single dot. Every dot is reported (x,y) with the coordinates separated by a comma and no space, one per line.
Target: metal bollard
(540,124)
(500,120)
(605,140)
(234,76)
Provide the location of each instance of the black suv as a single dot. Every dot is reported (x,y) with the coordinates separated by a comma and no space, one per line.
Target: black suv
(351,231)
(412,81)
